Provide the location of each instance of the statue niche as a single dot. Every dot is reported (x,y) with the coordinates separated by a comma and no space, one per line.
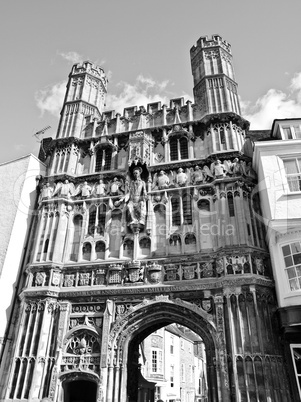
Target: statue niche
(135,200)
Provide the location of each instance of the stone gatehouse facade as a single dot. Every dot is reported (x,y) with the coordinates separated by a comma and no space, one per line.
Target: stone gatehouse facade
(146,219)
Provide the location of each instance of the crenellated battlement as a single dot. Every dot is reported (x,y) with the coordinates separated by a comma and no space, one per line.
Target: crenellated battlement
(88,67)
(205,42)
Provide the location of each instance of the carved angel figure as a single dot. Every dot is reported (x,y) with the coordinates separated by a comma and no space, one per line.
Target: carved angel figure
(181,178)
(207,173)
(83,189)
(217,169)
(65,189)
(197,176)
(161,181)
(99,189)
(47,192)
(116,186)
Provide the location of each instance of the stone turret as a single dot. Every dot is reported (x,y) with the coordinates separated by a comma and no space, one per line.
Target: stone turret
(84,99)
(215,89)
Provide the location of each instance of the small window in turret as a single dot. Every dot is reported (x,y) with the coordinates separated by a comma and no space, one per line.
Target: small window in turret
(103,159)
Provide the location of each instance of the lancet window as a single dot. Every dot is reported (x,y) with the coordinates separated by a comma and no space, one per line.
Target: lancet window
(26,354)
(103,159)
(115,233)
(78,224)
(97,219)
(61,160)
(145,246)
(160,228)
(181,210)
(100,249)
(222,137)
(86,251)
(47,237)
(178,148)
(128,248)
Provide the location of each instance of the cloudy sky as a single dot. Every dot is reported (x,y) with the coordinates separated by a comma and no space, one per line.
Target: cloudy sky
(143,46)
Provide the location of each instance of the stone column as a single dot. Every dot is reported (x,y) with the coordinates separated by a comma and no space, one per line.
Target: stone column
(44,335)
(105,351)
(65,310)
(59,246)
(222,366)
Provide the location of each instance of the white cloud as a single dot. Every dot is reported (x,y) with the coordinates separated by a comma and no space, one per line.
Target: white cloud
(275,104)
(71,57)
(50,99)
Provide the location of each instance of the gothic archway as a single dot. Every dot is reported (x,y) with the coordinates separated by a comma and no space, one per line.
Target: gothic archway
(131,328)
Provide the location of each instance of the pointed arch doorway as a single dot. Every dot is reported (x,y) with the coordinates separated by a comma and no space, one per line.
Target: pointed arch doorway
(126,335)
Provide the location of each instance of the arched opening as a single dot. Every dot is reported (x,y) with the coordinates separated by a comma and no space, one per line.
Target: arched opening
(80,391)
(165,345)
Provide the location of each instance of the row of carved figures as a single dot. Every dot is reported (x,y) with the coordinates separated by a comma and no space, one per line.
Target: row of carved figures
(161,180)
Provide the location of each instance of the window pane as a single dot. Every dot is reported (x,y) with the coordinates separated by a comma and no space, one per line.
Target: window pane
(108,159)
(297,132)
(297,358)
(297,258)
(98,162)
(294,285)
(298,270)
(287,133)
(286,250)
(184,148)
(173,149)
(291,273)
(288,261)
(290,166)
(296,248)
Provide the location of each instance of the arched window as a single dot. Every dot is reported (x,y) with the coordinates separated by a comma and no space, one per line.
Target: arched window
(204,205)
(87,251)
(102,210)
(178,148)
(103,159)
(100,249)
(92,219)
(145,245)
(175,244)
(78,223)
(183,148)
(128,248)
(173,145)
(187,213)
(175,211)
(115,233)
(230,204)
(160,229)
(190,243)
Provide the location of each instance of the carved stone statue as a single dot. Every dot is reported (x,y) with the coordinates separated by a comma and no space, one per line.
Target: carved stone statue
(47,192)
(181,178)
(86,190)
(65,189)
(218,169)
(161,180)
(100,188)
(116,186)
(197,176)
(136,199)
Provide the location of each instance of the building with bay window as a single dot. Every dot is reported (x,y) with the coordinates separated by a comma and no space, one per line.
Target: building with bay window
(278,163)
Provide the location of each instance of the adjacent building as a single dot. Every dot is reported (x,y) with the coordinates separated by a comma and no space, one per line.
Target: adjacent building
(278,163)
(174,359)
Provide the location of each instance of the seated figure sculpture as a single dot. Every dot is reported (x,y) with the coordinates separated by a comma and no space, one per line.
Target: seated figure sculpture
(136,199)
